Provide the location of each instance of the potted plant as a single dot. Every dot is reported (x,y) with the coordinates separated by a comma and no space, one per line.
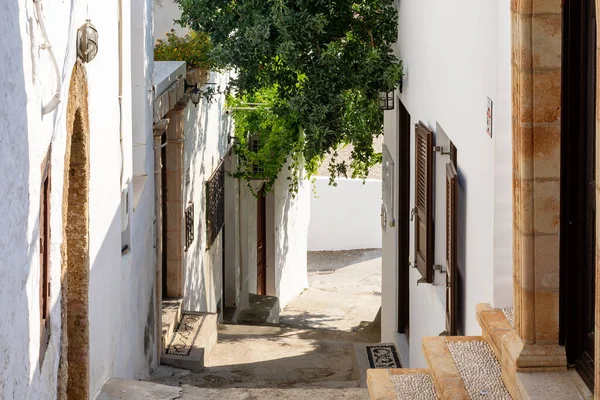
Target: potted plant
(192,48)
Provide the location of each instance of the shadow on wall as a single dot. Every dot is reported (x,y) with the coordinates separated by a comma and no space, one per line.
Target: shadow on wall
(206,143)
(17,250)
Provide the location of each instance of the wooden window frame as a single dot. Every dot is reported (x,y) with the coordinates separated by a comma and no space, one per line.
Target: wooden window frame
(424,246)
(44,240)
(451,247)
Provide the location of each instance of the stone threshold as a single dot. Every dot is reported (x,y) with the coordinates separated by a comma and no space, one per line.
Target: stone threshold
(417,383)
(534,383)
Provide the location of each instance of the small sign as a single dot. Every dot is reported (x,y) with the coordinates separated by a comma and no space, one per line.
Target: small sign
(490,111)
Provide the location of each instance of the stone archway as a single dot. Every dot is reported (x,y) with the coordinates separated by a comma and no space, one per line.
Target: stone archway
(73,374)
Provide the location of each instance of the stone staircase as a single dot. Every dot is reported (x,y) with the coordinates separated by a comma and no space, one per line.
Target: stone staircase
(188,337)
(470,367)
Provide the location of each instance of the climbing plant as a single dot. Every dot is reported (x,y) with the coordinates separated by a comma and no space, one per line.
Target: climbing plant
(314,66)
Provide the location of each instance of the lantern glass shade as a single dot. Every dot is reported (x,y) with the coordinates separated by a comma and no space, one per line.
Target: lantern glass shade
(386,100)
(195,96)
(87,42)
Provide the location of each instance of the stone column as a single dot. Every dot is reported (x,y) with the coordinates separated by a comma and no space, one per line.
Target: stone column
(536,74)
(175,199)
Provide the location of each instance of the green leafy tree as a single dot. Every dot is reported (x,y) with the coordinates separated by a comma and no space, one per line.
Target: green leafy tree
(316,65)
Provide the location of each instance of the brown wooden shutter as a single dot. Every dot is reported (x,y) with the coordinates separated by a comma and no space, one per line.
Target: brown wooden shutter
(452,270)
(424,202)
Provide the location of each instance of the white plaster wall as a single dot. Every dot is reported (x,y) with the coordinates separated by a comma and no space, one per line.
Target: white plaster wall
(165,13)
(119,287)
(346,216)
(291,218)
(455,57)
(206,144)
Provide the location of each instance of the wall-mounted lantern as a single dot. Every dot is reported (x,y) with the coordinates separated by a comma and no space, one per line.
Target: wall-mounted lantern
(195,94)
(386,100)
(87,42)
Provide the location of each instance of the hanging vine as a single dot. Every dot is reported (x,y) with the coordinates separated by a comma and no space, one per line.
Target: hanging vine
(314,66)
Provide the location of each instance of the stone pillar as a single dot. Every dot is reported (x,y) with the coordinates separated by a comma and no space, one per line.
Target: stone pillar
(536,74)
(175,199)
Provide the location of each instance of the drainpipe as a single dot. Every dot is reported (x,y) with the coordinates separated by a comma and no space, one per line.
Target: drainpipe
(158,130)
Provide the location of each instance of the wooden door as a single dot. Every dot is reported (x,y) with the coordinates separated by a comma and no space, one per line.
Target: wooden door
(578,186)
(261,243)
(403,218)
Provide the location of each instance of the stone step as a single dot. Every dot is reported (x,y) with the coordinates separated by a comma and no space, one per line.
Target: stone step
(262,310)
(464,367)
(400,384)
(171,314)
(124,389)
(190,392)
(192,341)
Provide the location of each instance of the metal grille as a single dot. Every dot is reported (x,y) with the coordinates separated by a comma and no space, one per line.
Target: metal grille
(215,204)
(189,226)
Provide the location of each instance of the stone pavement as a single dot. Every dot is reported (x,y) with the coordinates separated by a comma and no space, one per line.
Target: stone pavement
(345,289)
(270,362)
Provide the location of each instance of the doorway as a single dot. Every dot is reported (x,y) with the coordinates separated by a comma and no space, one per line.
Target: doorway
(261,243)
(578,186)
(403,217)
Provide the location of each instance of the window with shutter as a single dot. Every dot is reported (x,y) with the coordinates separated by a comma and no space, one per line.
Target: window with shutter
(452,270)
(44,238)
(424,202)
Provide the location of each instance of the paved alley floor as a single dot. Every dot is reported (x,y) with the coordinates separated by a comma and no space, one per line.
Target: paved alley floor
(269,362)
(345,289)
(310,355)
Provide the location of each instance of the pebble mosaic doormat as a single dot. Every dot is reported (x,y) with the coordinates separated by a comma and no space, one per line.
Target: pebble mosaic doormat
(185,335)
(383,356)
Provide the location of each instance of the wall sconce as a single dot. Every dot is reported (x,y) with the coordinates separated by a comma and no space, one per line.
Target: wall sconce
(386,100)
(87,42)
(195,94)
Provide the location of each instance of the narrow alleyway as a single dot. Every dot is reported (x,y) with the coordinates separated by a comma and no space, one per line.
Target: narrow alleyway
(345,290)
(310,355)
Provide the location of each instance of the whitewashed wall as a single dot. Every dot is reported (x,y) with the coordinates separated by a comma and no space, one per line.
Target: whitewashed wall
(290,216)
(346,216)
(206,143)
(449,76)
(120,302)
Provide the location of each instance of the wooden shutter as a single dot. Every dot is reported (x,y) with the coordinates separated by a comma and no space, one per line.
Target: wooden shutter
(424,202)
(452,271)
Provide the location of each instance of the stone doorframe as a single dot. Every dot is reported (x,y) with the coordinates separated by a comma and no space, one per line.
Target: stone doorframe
(536,71)
(536,85)
(73,380)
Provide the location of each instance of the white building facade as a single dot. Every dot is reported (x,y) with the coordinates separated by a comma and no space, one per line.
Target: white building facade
(450,78)
(76,251)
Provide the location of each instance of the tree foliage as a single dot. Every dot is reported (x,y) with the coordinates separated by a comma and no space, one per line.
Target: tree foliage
(316,65)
